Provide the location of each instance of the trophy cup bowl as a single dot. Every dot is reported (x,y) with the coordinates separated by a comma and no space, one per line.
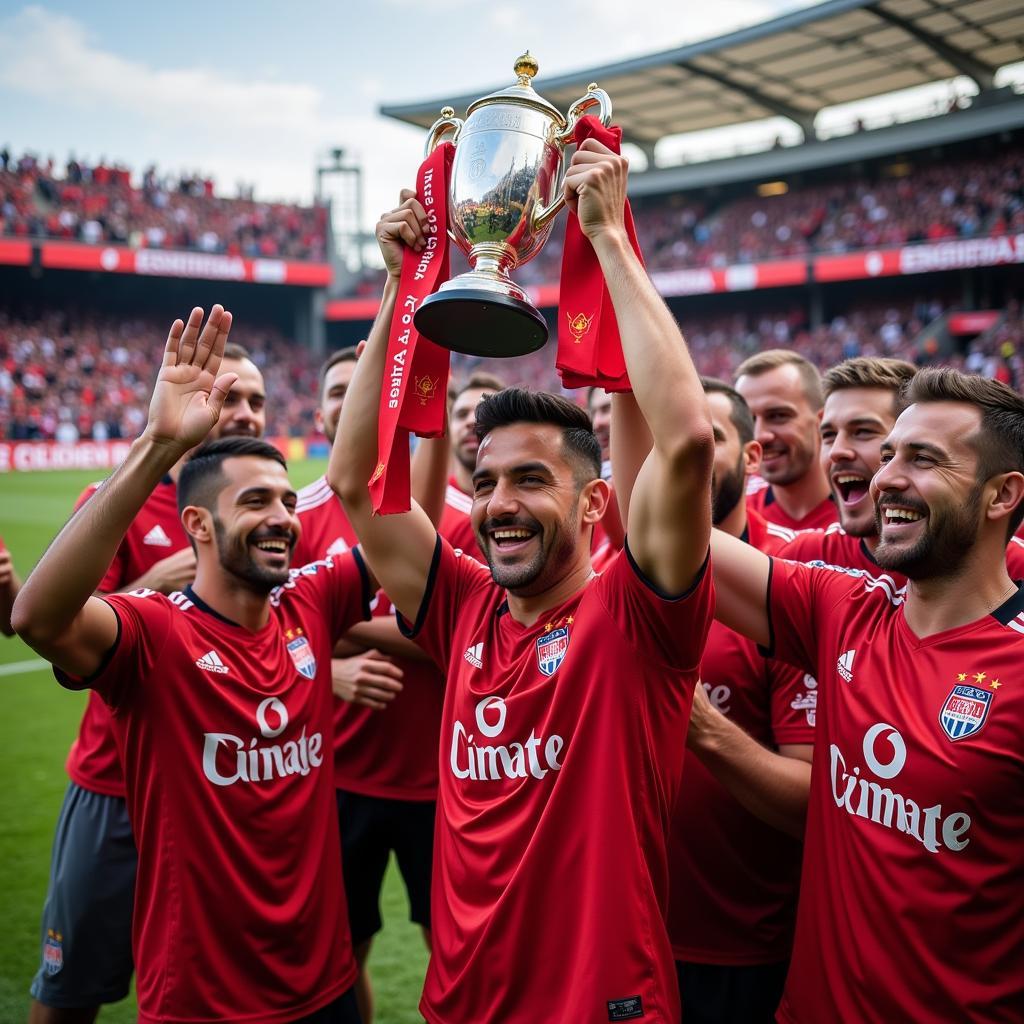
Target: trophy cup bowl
(505,192)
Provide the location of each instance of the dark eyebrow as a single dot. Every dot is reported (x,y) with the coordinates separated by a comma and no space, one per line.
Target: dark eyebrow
(525,467)
(262,492)
(918,446)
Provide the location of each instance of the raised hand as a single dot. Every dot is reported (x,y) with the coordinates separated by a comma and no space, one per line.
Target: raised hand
(595,188)
(189,395)
(406,225)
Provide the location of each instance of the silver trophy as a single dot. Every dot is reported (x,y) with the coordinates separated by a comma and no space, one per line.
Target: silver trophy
(506,189)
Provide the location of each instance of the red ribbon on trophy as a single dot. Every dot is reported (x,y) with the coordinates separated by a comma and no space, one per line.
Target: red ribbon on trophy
(589,345)
(414,391)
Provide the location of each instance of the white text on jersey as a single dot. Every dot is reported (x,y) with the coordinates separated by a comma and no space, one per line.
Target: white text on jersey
(253,762)
(869,800)
(469,760)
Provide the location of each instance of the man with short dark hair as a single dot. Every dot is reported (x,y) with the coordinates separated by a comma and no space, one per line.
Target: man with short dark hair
(917,803)
(731,916)
(86,956)
(228,682)
(783,391)
(566,691)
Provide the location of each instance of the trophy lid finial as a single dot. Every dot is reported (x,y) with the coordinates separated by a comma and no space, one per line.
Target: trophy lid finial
(526,67)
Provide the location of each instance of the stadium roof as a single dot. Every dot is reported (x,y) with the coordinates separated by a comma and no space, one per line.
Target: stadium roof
(792,66)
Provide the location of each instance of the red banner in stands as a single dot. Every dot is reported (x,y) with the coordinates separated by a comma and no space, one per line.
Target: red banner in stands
(973,323)
(14,253)
(175,263)
(956,254)
(34,456)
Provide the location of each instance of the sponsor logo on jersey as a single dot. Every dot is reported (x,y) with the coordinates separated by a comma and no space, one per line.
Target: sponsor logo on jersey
(719,695)
(157,537)
(301,653)
(855,791)
(53,952)
(474,655)
(470,759)
(210,662)
(228,759)
(338,547)
(551,648)
(844,666)
(964,712)
(807,702)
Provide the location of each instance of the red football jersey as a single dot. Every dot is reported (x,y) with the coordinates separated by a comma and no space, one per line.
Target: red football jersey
(765,536)
(561,753)
(834,546)
(912,898)
(156,532)
(727,907)
(390,753)
(455,525)
(239,905)
(765,504)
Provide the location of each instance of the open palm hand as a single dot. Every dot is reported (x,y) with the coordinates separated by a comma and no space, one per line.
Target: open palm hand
(188,395)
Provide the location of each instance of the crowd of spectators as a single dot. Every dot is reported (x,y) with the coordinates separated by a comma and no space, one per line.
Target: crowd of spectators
(89,377)
(99,204)
(930,202)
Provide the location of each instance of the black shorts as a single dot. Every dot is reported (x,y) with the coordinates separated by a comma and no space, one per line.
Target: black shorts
(342,1011)
(87,918)
(371,827)
(717,994)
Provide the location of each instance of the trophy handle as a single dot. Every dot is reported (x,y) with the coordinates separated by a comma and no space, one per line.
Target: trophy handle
(442,126)
(594,97)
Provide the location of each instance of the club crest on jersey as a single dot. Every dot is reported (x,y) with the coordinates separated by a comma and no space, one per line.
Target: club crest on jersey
(53,952)
(301,652)
(964,712)
(551,648)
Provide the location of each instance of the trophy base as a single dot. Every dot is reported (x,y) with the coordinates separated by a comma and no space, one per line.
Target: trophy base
(478,323)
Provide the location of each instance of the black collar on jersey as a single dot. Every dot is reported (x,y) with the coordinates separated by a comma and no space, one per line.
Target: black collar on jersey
(204,607)
(1012,606)
(866,552)
(167,480)
(745,535)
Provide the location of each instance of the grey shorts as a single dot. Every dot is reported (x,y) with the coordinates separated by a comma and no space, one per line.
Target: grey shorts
(87,917)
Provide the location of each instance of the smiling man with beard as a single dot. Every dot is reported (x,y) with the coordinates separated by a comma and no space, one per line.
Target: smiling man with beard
(917,801)
(221,707)
(566,690)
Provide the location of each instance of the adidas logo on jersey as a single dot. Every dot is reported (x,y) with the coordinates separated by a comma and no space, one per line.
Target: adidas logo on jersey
(157,537)
(210,662)
(844,666)
(474,655)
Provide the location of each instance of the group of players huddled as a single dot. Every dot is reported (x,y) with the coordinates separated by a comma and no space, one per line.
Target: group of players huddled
(730,732)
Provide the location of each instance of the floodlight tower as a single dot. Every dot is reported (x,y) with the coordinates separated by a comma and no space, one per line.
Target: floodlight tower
(346,202)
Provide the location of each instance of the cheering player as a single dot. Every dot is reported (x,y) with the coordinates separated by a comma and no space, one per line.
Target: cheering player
(731,916)
(783,391)
(566,692)
(86,955)
(386,722)
(228,682)
(912,897)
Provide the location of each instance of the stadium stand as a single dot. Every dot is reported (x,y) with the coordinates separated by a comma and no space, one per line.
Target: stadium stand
(99,205)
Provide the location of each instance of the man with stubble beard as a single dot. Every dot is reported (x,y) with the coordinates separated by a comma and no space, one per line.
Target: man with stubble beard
(783,391)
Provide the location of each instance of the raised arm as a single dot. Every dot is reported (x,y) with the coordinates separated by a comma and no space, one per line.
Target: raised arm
(669,517)
(398,548)
(55,612)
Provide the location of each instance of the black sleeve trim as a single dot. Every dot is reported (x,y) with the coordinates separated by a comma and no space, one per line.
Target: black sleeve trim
(70,682)
(655,589)
(428,592)
(769,651)
(364,575)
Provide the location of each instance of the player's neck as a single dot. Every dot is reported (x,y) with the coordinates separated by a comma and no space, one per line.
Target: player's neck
(527,610)
(231,599)
(979,588)
(803,496)
(735,523)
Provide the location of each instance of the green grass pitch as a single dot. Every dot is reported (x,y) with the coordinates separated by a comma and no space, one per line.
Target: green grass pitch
(38,724)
